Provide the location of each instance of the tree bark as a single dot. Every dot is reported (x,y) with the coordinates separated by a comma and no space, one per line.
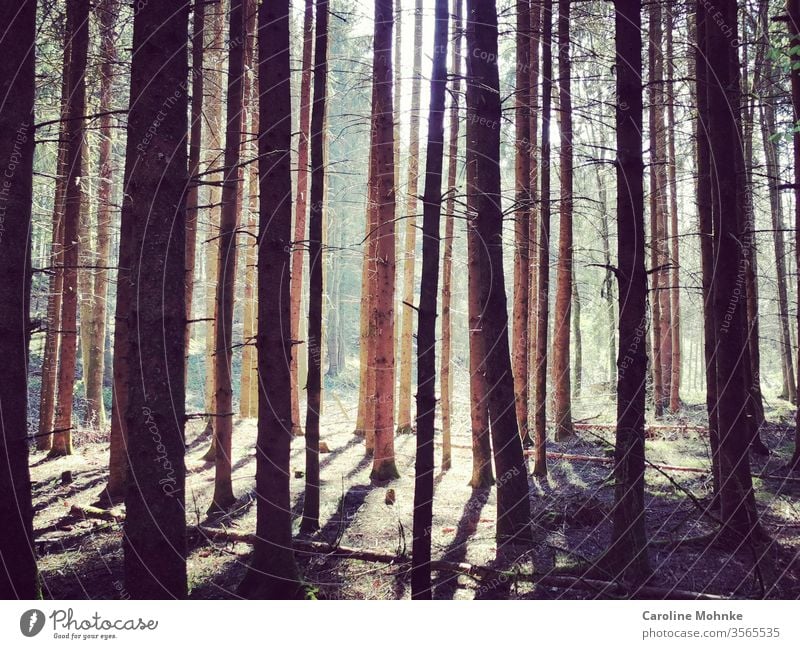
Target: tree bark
(273,572)
(156,180)
(793,7)
(301,207)
(226,263)
(18,575)
(543,250)
(78,29)
(316,225)
(562,398)
(426,327)
(412,188)
(628,551)
(522,246)
(382,309)
(483,106)
(446,386)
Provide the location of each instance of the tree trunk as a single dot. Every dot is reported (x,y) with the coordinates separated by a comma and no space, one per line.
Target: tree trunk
(412,188)
(273,572)
(576,334)
(628,551)
(18,578)
(316,225)
(301,208)
(47,400)
(195,154)
(426,327)
(382,310)
(78,29)
(737,501)
(483,106)
(675,275)
(446,386)
(562,399)
(543,250)
(793,7)
(522,264)
(226,264)
(156,178)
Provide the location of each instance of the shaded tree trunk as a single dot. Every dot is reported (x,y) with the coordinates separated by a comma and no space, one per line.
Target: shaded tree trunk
(426,327)
(156,180)
(793,7)
(483,106)
(18,576)
(273,572)
(316,225)
(628,551)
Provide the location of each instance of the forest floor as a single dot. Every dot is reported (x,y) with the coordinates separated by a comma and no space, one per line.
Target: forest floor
(82,558)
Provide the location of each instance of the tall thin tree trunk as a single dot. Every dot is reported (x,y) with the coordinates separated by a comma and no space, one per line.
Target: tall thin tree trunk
(226,264)
(382,309)
(156,179)
(301,208)
(522,247)
(316,225)
(78,19)
(446,386)
(273,572)
(562,398)
(628,551)
(793,7)
(576,334)
(18,578)
(543,250)
(426,327)
(483,106)
(47,400)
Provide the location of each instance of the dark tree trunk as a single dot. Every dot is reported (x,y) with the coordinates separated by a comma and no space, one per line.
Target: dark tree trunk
(628,552)
(78,28)
(273,572)
(226,264)
(793,7)
(156,180)
(17,87)
(736,497)
(483,106)
(543,250)
(316,224)
(426,327)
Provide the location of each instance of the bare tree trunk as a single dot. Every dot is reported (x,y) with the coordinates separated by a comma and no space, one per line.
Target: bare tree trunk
(78,20)
(446,387)
(18,577)
(382,311)
(522,250)
(562,406)
(156,179)
(793,7)
(47,400)
(226,264)
(543,251)
(483,106)
(316,226)
(412,182)
(426,328)
(301,208)
(273,572)
(533,221)
(628,551)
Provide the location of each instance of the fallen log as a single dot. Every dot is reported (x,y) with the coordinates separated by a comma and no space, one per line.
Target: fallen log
(87,512)
(302,546)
